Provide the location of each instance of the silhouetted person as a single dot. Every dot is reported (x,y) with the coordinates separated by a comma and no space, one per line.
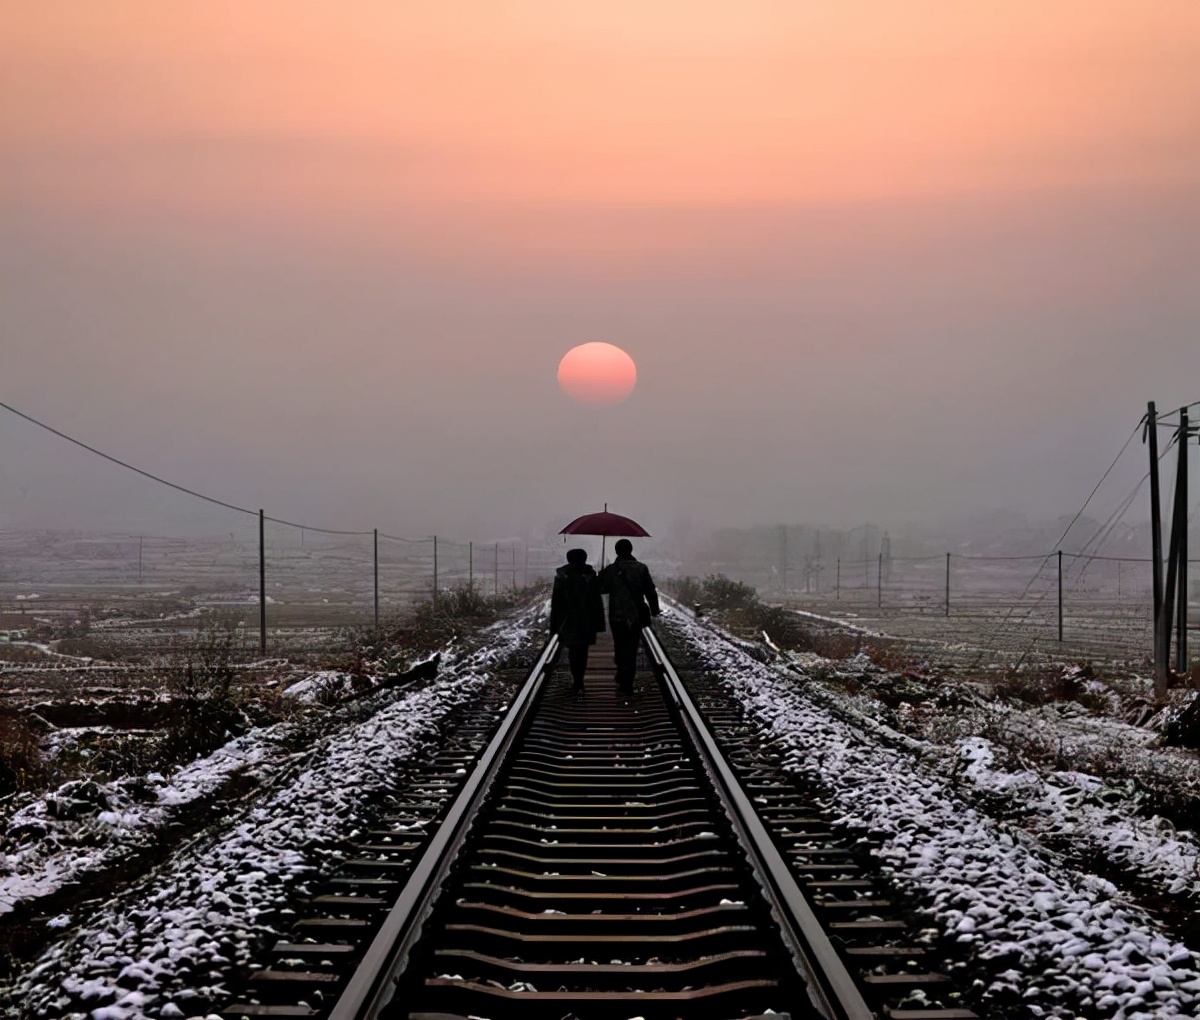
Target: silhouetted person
(576,611)
(632,600)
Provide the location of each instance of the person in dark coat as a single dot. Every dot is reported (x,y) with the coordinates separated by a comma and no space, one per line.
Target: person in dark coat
(576,611)
(632,601)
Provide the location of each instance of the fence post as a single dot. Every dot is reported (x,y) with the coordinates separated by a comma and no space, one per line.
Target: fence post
(435,572)
(879,580)
(262,582)
(377,579)
(471,567)
(947,584)
(1060,596)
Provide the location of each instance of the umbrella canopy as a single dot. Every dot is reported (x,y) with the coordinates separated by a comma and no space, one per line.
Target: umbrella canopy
(605,523)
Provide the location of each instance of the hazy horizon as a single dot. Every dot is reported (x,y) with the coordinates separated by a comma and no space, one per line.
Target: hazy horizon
(872,265)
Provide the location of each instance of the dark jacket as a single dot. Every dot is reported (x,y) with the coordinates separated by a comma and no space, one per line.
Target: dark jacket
(632,597)
(576,610)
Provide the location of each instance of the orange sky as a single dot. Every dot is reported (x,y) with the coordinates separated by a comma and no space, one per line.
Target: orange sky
(296,110)
(319,224)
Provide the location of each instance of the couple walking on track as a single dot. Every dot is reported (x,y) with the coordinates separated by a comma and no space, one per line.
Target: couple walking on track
(577,612)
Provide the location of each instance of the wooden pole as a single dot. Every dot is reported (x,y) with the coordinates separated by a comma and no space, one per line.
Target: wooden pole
(262,582)
(879,580)
(1181,488)
(1060,597)
(838,588)
(783,564)
(377,579)
(471,567)
(496,570)
(139,559)
(947,584)
(1156,579)
(1168,615)
(435,572)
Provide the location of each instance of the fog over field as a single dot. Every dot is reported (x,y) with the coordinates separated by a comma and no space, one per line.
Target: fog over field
(871,267)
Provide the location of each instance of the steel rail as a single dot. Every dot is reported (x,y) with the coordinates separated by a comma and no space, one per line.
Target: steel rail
(831,988)
(371,986)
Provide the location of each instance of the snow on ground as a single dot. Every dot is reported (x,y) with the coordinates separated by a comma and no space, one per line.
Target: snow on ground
(1073,809)
(1060,938)
(162,946)
(131,809)
(309,688)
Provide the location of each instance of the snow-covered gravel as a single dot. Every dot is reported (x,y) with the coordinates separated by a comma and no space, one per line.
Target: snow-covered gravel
(1060,938)
(1078,812)
(128,812)
(160,947)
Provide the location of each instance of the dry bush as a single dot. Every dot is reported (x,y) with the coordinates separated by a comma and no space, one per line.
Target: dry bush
(721,592)
(687,590)
(208,696)
(892,659)
(433,624)
(21,764)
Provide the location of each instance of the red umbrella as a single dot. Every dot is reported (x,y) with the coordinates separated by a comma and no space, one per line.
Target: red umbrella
(605,523)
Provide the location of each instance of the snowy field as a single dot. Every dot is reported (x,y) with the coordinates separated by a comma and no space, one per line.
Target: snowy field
(163,945)
(1054,876)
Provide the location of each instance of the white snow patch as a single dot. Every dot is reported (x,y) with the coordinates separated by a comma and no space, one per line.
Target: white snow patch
(1062,929)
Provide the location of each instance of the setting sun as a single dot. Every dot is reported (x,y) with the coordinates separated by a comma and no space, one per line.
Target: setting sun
(597,373)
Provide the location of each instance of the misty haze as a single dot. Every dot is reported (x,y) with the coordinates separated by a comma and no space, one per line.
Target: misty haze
(326,332)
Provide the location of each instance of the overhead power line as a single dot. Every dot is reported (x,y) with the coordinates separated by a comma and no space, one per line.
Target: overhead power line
(172,485)
(124,464)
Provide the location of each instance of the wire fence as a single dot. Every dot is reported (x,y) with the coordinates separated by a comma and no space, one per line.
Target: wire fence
(284,579)
(1069,604)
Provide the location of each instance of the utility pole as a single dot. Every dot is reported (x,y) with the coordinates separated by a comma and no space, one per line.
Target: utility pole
(377,579)
(947,584)
(838,588)
(1181,488)
(525,565)
(1169,614)
(139,559)
(435,572)
(1060,596)
(818,559)
(513,553)
(471,567)
(1160,657)
(496,570)
(262,582)
(783,587)
(879,580)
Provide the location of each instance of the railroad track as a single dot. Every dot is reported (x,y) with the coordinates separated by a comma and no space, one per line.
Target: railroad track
(607,857)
